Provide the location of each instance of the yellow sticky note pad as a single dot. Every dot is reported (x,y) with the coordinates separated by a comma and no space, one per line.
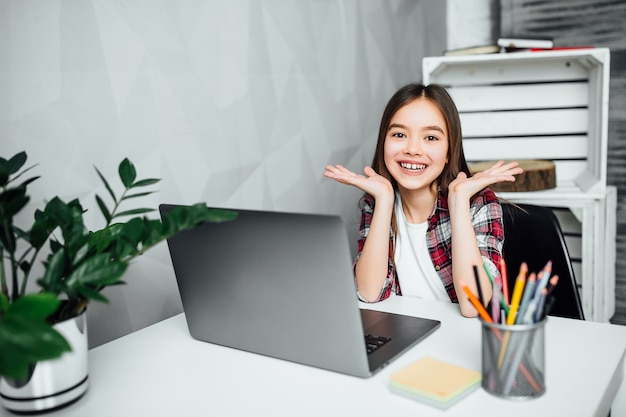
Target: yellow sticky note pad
(435,382)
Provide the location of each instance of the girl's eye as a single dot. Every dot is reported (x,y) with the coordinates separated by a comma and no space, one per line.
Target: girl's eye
(399,135)
(430,138)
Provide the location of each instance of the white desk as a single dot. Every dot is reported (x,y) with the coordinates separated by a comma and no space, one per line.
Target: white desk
(162,371)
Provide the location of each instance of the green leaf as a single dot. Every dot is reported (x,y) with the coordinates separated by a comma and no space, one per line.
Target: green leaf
(4,303)
(133,230)
(103,208)
(127,197)
(69,217)
(26,340)
(126,242)
(50,281)
(25,266)
(12,201)
(16,162)
(98,270)
(10,167)
(153,232)
(57,212)
(220,215)
(106,184)
(146,182)
(25,336)
(55,246)
(4,172)
(40,230)
(127,172)
(92,294)
(133,211)
(36,306)
(80,254)
(101,239)
(28,181)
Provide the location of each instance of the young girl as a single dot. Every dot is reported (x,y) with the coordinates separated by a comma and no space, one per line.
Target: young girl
(425,222)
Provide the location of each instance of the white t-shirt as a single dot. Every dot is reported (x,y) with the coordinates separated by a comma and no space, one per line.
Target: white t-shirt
(416,273)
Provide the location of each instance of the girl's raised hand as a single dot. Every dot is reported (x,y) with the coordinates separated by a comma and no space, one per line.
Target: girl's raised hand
(371,183)
(498,172)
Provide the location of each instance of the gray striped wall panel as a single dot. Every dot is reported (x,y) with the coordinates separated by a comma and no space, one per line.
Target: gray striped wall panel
(595,23)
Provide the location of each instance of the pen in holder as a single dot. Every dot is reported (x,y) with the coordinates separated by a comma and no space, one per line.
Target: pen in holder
(513,359)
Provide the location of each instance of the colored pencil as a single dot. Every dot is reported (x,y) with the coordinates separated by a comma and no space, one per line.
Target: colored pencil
(478,286)
(527,297)
(545,277)
(503,303)
(548,306)
(477,305)
(552,283)
(517,293)
(527,318)
(505,280)
(520,281)
(495,302)
(541,304)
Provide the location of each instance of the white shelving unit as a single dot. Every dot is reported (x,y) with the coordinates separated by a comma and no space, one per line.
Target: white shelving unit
(547,105)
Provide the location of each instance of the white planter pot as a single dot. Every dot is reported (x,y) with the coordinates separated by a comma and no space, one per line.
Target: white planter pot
(52,383)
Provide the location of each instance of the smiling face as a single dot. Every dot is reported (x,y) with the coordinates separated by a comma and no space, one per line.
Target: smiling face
(416,146)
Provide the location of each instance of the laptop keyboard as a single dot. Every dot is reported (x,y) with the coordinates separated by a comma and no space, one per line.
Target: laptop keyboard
(372,343)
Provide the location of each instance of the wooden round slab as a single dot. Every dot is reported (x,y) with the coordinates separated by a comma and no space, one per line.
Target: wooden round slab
(537,175)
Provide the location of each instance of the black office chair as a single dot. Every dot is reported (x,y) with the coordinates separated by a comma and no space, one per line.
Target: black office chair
(533,235)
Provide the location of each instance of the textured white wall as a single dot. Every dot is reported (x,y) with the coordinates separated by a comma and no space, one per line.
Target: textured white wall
(238,103)
(472,23)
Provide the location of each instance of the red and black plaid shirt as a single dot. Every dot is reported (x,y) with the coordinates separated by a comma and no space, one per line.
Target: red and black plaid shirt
(486,214)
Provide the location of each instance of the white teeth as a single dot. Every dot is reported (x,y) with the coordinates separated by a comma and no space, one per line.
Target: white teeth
(413,167)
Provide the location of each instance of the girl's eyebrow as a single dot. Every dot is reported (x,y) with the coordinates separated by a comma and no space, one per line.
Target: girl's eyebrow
(437,128)
(396,125)
(425,128)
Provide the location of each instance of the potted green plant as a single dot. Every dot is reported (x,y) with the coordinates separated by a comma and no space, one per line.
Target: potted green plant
(78,265)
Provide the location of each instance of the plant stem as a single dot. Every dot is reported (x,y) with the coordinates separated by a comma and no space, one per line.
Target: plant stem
(7,227)
(3,278)
(15,283)
(27,273)
(117,205)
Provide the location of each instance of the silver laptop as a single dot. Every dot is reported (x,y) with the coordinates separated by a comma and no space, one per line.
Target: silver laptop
(281,285)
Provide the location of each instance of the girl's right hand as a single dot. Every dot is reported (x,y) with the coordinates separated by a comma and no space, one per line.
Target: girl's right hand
(372,183)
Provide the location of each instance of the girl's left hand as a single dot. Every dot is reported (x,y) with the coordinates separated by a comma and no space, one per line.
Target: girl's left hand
(498,172)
